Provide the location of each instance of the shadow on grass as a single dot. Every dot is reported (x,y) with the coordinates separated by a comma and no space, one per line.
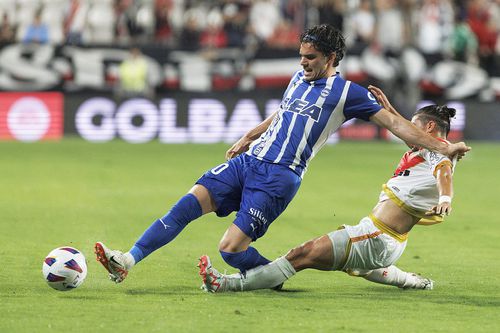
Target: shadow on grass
(190,291)
(437,297)
(81,297)
(362,293)
(288,291)
(162,291)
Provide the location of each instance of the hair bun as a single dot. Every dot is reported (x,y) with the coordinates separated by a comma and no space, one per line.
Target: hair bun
(446,112)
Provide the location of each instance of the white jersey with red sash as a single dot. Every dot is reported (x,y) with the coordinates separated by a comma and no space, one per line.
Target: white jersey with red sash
(414,186)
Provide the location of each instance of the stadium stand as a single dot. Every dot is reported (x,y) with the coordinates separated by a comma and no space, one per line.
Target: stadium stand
(246,44)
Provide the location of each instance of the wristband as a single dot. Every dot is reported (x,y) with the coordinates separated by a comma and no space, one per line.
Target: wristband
(444,198)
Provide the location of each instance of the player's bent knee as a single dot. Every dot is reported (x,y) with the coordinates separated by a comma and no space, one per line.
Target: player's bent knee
(205,199)
(234,240)
(231,247)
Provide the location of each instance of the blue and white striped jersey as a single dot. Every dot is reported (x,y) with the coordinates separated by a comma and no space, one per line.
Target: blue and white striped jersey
(308,114)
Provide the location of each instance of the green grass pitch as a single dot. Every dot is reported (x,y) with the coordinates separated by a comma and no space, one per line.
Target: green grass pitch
(75,193)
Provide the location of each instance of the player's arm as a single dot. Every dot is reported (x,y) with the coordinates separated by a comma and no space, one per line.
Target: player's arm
(414,136)
(405,130)
(444,179)
(244,142)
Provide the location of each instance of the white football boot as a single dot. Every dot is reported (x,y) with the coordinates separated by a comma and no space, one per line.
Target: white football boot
(420,282)
(113,260)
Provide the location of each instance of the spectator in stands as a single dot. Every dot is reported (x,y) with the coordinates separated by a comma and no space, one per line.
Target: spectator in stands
(462,44)
(163,28)
(285,36)
(133,75)
(480,19)
(331,12)
(75,21)
(296,12)
(264,17)
(125,25)
(235,17)
(435,24)
(100,23)
(214,35)
(37,31)
(7,33)
(390,37)
(134,21)
(139,21)
(190,35)
(363,26)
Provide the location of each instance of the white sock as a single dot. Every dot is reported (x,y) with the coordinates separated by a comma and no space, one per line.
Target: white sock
(129,260)
(393,276)
(267,276)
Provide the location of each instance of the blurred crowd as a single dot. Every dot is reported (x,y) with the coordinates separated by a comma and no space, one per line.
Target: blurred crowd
(464,30)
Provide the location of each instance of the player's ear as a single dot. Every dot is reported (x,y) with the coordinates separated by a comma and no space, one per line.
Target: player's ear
(431,126)
(331,58)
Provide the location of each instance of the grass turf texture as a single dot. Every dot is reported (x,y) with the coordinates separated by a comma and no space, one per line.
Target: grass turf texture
(75,193)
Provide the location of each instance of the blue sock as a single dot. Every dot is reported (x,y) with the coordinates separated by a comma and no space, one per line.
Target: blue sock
(244,260)
(165,229)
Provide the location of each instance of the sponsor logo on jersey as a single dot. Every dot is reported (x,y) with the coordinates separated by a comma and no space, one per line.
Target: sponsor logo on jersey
(433,157)
(325,92)
(258,216)
(304,108)
(259,147)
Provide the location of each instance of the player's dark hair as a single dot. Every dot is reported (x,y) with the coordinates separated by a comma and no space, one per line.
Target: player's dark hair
(326,39)
(440,114)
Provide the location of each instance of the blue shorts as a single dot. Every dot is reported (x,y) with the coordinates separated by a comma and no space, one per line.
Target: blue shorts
(258,191)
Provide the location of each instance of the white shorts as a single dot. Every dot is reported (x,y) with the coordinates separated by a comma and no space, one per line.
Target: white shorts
(367,245)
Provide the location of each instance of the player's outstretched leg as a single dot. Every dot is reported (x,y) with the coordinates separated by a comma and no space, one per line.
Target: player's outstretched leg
(115,262)
(393,276)
(166,228)
(262,277)
(316,253)
(160,233)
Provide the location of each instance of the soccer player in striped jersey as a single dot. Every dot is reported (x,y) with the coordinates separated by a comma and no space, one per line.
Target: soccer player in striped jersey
(419,192)
(265,167)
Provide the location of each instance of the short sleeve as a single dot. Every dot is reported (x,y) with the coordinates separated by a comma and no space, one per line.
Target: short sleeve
(435,160)
(360,103)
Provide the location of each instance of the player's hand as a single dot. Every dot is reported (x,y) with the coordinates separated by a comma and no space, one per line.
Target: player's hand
(457,150)
(383,100)
(441,209)
(239,147)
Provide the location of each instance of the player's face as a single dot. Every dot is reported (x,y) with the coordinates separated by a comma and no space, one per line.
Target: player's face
(420,124)
(428,127)
(315,64)
(417,122)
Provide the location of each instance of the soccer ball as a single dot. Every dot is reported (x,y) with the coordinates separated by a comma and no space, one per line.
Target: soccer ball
(64,268)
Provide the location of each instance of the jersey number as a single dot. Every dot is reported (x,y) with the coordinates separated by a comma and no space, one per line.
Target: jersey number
(403,173)
(218,169)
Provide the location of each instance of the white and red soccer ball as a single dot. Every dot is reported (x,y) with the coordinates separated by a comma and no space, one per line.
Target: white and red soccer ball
(64,268)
